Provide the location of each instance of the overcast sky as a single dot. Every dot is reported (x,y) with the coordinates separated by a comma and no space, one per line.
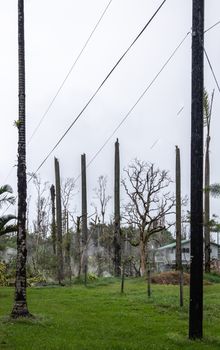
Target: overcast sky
(55,32)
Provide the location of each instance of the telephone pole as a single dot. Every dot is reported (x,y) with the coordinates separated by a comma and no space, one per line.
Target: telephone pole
(196,266)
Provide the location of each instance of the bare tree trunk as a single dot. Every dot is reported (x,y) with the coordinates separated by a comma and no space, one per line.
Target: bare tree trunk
(84,217)
(53,224)
(142,258)
(20,308)
(59,223)
(79,245)
(196,265)
(179,266)
(117,234)
(68,246)
(148,280)
(123,277)
(178,212)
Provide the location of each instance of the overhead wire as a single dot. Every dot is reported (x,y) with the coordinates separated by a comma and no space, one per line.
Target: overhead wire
(61,86)
(69,72)
(214,25)
(99,87)
(138,100)
(211,68)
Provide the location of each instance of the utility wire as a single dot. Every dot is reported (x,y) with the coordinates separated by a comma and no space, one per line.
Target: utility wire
(9,174)
(73,65)
(214,25)
(181,109)
(68,74)
(138,100)
(99,88)
(212,70)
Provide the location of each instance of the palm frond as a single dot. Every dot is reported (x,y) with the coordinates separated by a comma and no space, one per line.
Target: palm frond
(8,229)
(206,107)
(5,219)
(5,198)
(5,189)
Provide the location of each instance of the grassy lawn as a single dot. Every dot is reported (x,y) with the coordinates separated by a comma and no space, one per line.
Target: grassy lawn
(99,317)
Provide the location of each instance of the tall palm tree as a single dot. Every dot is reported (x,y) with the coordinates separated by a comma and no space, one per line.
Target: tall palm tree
(20,304)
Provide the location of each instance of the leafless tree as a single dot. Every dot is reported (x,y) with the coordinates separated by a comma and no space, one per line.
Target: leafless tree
(67,192)
(150,202)
(41,224)
(101,196)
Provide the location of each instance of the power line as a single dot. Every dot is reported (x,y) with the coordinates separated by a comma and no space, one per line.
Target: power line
(154,144)
(68,74)
(212,70)
(214,25)
(9,174)
(181,109)
(138,100)
(99,88)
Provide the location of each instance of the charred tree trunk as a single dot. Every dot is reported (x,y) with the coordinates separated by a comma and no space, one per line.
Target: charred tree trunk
(20,308)
(59,223)
(196,265)
(117,233)
(53,224)
(84,217)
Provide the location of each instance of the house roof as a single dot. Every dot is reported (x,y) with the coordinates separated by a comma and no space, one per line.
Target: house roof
(172,245)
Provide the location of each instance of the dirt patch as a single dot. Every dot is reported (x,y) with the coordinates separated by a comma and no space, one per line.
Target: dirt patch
(170,277)
(173,277)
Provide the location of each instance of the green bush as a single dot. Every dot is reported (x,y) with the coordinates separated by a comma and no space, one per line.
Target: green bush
(36,280)
(92,276)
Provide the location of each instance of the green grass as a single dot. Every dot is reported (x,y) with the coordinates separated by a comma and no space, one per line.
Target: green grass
(99,317)
(213,277)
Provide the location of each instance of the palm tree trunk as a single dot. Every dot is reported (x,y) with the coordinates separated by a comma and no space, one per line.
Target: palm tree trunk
(20,308)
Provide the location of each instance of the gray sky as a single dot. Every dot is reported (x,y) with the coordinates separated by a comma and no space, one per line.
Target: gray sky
(55,33)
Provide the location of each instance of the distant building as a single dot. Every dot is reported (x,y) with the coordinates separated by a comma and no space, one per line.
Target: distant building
(165,257)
